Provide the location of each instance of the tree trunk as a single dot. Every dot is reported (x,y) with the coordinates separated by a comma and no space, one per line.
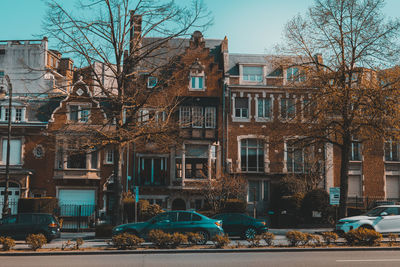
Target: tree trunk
(344,174)
(117,210)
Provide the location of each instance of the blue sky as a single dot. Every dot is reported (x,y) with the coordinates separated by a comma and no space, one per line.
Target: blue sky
(252,26)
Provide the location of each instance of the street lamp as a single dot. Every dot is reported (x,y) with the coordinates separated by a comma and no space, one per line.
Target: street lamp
(2,96)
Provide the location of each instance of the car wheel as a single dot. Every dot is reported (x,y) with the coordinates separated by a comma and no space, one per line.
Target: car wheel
(250,233)
(204,236)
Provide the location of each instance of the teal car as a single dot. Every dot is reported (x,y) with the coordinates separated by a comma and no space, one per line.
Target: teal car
(175,221)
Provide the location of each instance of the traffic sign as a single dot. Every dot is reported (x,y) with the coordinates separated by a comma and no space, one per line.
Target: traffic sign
(334,195)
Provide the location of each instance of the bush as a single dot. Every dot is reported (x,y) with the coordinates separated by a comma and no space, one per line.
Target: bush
(363,237)
(329,237)
(392,238)
(221,241)
(268,238)
(316,200)
(165,240)
(312,240)
(193,238)
(103,230)
(234,205)
(36,241)
(255,241)
(126,241)
(38,205)
(178,239)
(296,238)
(78,243)
(7,243)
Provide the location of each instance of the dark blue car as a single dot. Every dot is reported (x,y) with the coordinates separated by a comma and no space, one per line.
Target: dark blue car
(239,224)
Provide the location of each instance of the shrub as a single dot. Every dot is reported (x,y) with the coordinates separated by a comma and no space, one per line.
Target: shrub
(36,241)
(193,238)
(103,230)
(316,200)
(329,237)
(392,238)
(268,238)
(221,241)
(7,243)
(78,243)
(234,205)
(178,239)
(39,205)
(362,236)
(296,238)
(126,241)
(312,240)
(255,241)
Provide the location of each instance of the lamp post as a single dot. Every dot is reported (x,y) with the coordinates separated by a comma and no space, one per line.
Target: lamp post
(2,95)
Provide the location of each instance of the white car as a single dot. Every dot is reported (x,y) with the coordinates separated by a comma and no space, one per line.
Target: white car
(383,219)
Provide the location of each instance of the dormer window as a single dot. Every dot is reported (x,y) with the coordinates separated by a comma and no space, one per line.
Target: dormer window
(79,113)
(17,114)
(197,76)
(151,82)
(294,74)
(252,73)
(197,82)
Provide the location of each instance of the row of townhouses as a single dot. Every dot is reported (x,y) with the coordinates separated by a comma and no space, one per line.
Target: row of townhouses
(234,113)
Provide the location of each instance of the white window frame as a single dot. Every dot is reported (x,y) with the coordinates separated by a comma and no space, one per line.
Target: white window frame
(355,149)
(259,146)
(185,116)
(263,100)
(291,149)
(257,78)
(196,85)
(109,156)
(19,151)
(210,117)
(261,194)
(295,76)
(197,117)
(393,145)
(14,118)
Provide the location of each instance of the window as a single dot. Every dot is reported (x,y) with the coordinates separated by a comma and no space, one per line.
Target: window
(94,159)
(210,117)
(197,82)
(288,108)
(392,151)
(309,108)
(1,73)
(76,160)
(252,155)
(18,114)
(15,151)
(355,152)
(196,162)
(197,117)
(258,190)
(79,113)
(298,157)
(151,82)
(355,186)
(295,75)
(143,115)
(152,171)
(241,107)
(109,156)
(6,114)
(184,216)
(253,74)
(393,186)
(264,108)
(184,116)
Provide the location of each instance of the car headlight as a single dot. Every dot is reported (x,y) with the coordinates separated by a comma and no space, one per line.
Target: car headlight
(118,229)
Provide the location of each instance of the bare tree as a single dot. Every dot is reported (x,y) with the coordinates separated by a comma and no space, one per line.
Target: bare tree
(130,38)
(352,97)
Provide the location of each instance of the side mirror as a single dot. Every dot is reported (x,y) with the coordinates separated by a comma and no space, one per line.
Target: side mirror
(384,213)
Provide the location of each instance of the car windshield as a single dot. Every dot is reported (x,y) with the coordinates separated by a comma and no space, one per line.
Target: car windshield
(375,212)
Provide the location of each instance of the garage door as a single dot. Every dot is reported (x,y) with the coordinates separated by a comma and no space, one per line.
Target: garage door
(77,197)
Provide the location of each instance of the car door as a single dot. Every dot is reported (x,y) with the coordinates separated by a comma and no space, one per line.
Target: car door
(184,222)
(390,222)
(25,225)
(162,222)
(229,224)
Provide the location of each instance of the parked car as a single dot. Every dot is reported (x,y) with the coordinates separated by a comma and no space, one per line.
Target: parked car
(383,219)
(175,221)
(20,226)
(239,224)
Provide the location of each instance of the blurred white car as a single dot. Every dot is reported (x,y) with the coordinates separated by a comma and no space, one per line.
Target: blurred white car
(383,219)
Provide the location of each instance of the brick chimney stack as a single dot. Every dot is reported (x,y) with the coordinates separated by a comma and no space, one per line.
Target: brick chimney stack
(135,32)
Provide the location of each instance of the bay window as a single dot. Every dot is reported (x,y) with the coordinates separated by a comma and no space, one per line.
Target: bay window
(252,155)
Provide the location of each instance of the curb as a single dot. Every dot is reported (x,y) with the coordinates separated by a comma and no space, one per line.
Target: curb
(188,251)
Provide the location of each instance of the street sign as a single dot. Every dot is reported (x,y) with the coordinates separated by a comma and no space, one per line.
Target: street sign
(334,195)
(136,194)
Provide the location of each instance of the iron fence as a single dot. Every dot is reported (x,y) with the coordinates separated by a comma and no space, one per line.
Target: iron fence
(77,217)
(12,205)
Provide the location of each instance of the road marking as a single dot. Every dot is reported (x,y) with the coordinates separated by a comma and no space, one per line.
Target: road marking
(372,260)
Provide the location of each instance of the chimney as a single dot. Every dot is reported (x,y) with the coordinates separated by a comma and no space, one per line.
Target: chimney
(135,32)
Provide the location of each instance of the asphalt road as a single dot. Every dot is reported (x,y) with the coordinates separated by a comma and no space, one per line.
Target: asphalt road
(325,259)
